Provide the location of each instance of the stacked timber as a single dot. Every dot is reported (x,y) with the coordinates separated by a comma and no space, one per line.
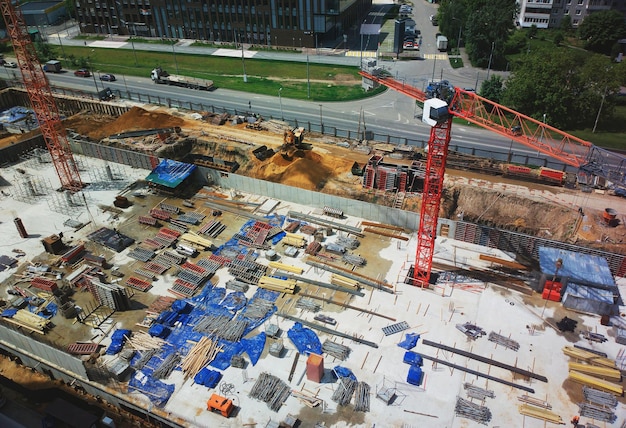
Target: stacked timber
(275,284)
(27,319)
(540,413)
(199,356)
(294,239)
(593,370)
(343,281)
(286,268)
(196,241)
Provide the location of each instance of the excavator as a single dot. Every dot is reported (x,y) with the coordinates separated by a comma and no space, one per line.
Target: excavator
(292,142)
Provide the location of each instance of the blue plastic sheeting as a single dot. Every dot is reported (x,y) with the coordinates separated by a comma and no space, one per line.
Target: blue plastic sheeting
(181,307)
(409,341)
(234,301)
(15,114)
(304,339)
(579,268)
(170,173)
(254,347)
(207,377)
(159,330)
(276,238)
(118,338)
(9,313)
(344,372)
(222,360)
(48,312)
(415,375)
(413,359)
(158,392)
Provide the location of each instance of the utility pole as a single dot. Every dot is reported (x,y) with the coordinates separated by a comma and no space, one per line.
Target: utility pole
(490,58)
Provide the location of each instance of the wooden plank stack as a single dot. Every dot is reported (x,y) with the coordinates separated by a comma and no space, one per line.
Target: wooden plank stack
(343,281)
(286,268)
(199,356)
(540,413)
(593,370)
(281,285)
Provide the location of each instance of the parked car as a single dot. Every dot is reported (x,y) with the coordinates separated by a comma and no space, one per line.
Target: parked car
(108,78)
(82,72)
(405,8)
(10,64)
(433,20)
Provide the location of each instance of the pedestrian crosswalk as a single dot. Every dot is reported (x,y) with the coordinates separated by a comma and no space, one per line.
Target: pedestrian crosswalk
(366,54)
(436,56)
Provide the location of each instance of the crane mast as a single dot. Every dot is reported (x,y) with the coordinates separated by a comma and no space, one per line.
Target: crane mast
(41,98)
(441,105)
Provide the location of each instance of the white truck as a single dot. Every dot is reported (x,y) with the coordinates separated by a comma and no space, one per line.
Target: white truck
(160,76)
(442,43)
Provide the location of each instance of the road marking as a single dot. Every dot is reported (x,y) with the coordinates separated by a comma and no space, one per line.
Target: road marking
(366,54)
(436,56)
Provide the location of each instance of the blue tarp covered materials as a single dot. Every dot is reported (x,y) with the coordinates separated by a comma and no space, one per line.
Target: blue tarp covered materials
(234,301)
(589,299)
(413,359)
(344,372)
(254,347)
(158,330)
(415,375)
(577,267)
(409,341)
(118,338)
(158,392)
(170,173)
(9,313)
(304,339)
(207,377)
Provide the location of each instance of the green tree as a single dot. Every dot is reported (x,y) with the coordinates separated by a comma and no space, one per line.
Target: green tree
(487,29)
(601,30)
(452,18)
(568,89)
(70,6)
(492,89)
(45,51)
(558,38)
(566,25)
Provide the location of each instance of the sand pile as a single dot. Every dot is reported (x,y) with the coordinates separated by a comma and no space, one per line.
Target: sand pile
(135,119)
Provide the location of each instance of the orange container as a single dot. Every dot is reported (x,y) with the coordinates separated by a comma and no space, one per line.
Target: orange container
(315,368)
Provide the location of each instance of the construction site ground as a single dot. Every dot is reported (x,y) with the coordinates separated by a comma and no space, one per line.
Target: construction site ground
(523,317)
(533,208)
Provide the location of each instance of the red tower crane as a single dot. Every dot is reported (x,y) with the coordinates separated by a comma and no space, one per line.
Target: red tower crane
(441,105)
(41,98)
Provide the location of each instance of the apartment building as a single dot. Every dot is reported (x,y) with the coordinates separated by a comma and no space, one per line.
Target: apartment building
(293,23)
(550,13)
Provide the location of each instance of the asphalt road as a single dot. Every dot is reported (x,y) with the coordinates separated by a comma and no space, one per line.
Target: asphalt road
(390,113)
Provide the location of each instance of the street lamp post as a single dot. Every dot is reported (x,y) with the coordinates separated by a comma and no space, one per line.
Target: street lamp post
(132,43)
(308,78)
(490,58)
(458,41)
(174,52)
(243,62)
(321,119)
(280,101)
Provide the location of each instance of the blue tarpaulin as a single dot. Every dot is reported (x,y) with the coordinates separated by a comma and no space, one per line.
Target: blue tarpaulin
(414,377)
(207,377)
(304,339)
(577,267)
(254,347)
(409,341)
(344,372)
(118,338)
(158,392)
(413,359)
(170,173)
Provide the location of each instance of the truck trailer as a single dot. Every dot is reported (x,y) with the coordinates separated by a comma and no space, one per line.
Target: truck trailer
(442,43)
(160,76)
(52,66)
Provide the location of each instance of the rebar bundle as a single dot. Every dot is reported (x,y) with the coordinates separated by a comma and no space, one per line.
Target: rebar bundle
(362,397)
(222,326)
(308,305)
(270,390)
(336,350)
(167,366)
(353,259)
(343,393)
(233,284)
(602,398)
(469,410)
(348,242)
(596,412)
(258,308)
(477,392)
(144,357)
(504,341)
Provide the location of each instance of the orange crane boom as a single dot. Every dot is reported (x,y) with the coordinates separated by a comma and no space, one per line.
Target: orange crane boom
(492,116)
(41,98)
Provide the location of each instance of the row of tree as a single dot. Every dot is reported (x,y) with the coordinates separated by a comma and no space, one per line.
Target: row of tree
(568,85)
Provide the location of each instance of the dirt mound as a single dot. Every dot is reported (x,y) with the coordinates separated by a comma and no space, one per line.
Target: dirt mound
(307,169)
(133,120)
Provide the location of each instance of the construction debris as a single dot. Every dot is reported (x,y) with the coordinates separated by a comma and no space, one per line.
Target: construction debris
(362,397)
(477,392)
(596,412)
(599,397)
(470,330)
(504,341)
(343,394)
(341,352)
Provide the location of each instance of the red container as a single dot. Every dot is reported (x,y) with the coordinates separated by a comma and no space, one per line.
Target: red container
(552,295)
(315,368)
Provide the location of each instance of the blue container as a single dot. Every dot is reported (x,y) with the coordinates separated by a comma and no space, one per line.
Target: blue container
(415,375)
(413,359)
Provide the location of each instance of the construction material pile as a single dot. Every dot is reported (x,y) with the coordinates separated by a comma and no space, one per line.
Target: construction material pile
(270,390)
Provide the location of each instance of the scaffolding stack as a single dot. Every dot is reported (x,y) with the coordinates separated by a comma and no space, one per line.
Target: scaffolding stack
(112,295)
